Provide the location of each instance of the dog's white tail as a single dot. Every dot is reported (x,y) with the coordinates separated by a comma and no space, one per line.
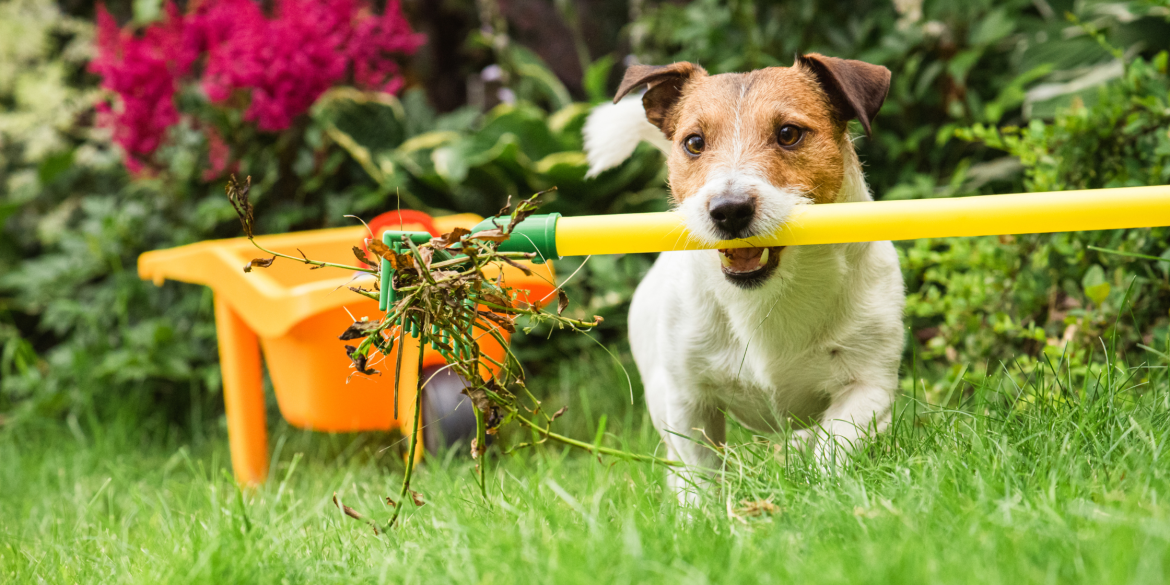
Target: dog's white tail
(613,131)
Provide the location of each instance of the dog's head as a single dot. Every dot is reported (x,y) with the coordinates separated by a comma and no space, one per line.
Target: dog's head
(749,147)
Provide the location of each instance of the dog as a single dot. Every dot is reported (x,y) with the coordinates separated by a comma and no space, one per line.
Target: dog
(802,337)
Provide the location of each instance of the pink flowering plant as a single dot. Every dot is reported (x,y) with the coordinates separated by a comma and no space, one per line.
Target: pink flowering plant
(234,73)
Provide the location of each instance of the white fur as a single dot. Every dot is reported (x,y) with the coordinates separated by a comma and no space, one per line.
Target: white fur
(817,346)
(613,131)
(773,205)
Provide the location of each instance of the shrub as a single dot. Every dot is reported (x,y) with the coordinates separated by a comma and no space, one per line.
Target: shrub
(988,96)
(194,95)
(81,333)
(1026,297)
(242,51)
(954,64)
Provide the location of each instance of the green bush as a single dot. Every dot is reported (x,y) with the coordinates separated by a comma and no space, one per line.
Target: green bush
(1012,298)
(471,162)
(973,82)
(954,64)
(1038,103)
(80,332)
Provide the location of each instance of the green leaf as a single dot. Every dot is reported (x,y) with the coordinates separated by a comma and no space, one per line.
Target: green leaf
(1094,284)
(961,64)
(992,28)
(53,166)
(1093,276)
(375,125)
(1098,293)
(453,162)
(561,169)
(147,11)
(596,77)
(531,67)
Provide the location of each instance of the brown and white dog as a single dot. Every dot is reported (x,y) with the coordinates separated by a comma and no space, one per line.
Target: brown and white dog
(807,336)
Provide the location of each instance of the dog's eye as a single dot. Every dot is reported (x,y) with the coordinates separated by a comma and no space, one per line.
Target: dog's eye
(694,144)
(789,135)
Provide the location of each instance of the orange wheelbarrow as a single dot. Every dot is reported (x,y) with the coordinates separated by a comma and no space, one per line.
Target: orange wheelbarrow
(293,316)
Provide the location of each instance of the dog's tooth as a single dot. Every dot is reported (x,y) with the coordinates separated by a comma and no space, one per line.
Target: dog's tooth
(725,259)
(764,257)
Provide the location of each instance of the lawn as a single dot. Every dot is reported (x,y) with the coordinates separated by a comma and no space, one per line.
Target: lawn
(1024,477)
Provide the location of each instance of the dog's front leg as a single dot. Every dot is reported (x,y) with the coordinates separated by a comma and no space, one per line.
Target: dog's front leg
(692,431)
(856,413)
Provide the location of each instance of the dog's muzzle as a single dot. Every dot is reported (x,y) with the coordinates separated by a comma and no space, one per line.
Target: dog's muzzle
(749,266)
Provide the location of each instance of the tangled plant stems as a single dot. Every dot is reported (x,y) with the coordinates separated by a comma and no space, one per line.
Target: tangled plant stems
(440,287)
(278,64)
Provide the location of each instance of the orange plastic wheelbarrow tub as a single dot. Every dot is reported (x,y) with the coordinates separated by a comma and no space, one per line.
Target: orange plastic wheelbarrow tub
(293,316)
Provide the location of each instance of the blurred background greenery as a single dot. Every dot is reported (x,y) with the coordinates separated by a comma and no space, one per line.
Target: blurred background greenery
(988,96)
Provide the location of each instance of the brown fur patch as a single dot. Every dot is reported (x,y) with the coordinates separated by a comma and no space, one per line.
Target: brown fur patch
(665,83)
(856,89)
(738,116)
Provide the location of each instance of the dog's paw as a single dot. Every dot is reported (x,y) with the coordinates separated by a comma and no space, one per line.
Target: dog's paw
(800,441)
(832,453)
(798,445)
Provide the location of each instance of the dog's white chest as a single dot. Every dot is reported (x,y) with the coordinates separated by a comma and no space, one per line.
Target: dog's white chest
(775,355)
(769,371)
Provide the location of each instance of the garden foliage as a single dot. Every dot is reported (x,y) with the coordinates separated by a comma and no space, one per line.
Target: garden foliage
(1015,298)
(988,96)
(181,104)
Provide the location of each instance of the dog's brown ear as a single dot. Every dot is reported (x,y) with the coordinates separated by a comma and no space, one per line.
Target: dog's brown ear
(856,88)
(666,83)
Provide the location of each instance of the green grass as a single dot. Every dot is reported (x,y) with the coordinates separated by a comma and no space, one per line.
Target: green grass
(1023,478)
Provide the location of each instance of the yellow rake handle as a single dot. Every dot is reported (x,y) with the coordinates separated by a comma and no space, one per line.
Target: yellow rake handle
(989,215)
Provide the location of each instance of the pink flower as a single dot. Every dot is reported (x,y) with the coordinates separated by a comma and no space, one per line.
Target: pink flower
(375,38)
(282,64)
(138,70)
(289,61)
(218,154)
(286,62)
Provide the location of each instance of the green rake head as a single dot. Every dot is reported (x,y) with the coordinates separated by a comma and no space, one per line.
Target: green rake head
(535,235)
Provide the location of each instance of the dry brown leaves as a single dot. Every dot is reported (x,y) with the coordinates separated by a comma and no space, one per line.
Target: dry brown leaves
(493,235)
(496,299)
(445,275)
(562,301)
(503,322)
(238,196)
(259,263)
(360,254)
(359,361)
(348,511)
(478,397)
(450,238)
(752,509)
(397,261)
(426,254)
(517,266)
(359,329)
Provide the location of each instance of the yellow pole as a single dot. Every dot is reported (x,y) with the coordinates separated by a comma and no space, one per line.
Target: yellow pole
(989,215)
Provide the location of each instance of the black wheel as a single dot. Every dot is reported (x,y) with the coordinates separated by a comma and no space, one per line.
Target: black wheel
(447,412)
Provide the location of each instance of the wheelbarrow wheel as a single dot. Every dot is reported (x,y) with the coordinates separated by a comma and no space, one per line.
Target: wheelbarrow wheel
(447,413)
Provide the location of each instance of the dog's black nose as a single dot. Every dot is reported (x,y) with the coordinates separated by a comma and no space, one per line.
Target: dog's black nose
(732,213)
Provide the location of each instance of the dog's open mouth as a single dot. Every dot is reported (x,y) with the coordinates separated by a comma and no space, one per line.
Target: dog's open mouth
(749,266)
